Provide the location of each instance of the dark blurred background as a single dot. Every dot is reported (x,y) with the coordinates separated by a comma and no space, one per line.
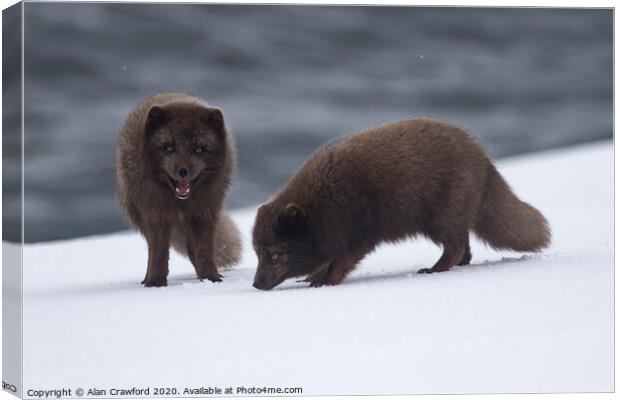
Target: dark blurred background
(290,78)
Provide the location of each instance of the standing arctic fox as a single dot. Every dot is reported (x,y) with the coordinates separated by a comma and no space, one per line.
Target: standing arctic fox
(398,180)
(174,162)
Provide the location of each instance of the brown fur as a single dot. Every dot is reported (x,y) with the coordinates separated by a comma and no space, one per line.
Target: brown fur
(386,184)
(159,139)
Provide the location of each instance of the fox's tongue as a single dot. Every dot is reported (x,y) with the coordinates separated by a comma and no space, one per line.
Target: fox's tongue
(183,187)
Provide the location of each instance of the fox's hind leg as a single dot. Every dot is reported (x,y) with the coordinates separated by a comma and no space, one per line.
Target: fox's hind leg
(454,251)
(465,260)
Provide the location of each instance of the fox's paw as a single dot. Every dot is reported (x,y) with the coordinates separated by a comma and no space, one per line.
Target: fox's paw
(217,277)
(426,271)
(155,282)
(465,260)
(318,278)
(318,283)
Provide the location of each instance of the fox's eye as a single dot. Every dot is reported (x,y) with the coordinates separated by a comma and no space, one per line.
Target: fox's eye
(273,259)
(169,148)
(198,150)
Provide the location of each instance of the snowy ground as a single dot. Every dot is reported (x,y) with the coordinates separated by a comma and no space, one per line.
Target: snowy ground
(507,323)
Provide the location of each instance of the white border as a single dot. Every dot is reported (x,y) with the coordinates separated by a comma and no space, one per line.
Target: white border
(524,3)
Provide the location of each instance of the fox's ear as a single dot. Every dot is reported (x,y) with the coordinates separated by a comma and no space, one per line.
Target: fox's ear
(292,218)
(214,118)
(156,117)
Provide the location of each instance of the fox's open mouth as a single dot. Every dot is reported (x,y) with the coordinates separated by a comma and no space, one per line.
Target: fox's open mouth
(182,188)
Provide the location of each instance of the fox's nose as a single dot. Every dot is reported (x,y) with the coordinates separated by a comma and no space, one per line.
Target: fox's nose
(183,172)
(259,283)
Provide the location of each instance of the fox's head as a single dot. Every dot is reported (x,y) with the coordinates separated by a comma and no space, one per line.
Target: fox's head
(284,245)
(187,145)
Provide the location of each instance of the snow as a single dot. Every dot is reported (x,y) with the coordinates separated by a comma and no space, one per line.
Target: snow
(507,323)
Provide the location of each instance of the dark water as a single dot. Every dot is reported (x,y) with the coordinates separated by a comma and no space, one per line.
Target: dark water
(290,78)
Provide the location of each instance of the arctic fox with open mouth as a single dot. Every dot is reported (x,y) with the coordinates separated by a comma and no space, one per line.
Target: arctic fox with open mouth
(174,163)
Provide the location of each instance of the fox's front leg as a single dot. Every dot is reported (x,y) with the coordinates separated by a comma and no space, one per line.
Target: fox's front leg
(338,269)
(201,247)
(158,240)
(318,277)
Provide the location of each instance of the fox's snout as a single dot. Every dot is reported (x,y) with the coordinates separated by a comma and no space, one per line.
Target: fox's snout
(183,170)
(260,282)
(266,280)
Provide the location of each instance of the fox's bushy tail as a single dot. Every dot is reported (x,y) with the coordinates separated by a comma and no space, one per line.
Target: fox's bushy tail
(226,242)
(505,222)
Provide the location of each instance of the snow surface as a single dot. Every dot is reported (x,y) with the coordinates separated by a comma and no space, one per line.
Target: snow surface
(508,323)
